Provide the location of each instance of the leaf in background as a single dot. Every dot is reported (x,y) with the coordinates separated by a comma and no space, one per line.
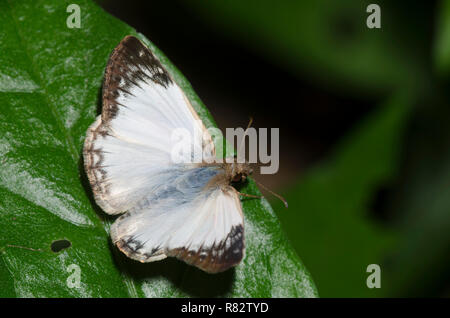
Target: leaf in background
(329,209)
(419,265)
(442,38)
(50,83)
(329,39)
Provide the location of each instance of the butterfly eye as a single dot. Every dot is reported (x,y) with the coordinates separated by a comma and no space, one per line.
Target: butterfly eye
(237,177)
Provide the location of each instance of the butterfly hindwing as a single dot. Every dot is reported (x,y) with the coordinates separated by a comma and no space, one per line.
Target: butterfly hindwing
(187,219)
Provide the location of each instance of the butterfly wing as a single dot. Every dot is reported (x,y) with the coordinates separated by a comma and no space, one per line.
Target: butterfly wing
(215,240)
(127,151)
(179,210)
(198,223)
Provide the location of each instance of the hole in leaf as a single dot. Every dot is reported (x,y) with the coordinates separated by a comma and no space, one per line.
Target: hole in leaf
(60,245)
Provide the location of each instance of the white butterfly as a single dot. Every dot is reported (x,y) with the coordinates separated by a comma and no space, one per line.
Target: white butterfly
(188,211)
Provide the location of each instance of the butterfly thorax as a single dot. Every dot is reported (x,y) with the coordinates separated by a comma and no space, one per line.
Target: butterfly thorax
(232,172)
(237,171)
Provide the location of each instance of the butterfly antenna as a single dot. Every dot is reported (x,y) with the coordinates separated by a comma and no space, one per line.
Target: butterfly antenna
(250,195)
(245,134)
(273,193)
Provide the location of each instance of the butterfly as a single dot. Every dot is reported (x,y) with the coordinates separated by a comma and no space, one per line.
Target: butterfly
(189,211)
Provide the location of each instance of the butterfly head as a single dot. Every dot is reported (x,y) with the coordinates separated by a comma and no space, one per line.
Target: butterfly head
(239,171)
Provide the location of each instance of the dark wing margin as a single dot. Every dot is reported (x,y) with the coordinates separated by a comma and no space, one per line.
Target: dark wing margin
(93,159)
(131,62)
(218,258)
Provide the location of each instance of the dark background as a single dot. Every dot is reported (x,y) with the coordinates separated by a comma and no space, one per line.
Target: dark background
(363,117)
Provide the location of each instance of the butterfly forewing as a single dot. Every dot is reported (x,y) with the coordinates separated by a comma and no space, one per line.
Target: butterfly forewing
(130,143)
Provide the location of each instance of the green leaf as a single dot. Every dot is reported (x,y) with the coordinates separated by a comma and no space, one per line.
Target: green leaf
(50,83)
(329,214)
(442,38)
(418,266)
